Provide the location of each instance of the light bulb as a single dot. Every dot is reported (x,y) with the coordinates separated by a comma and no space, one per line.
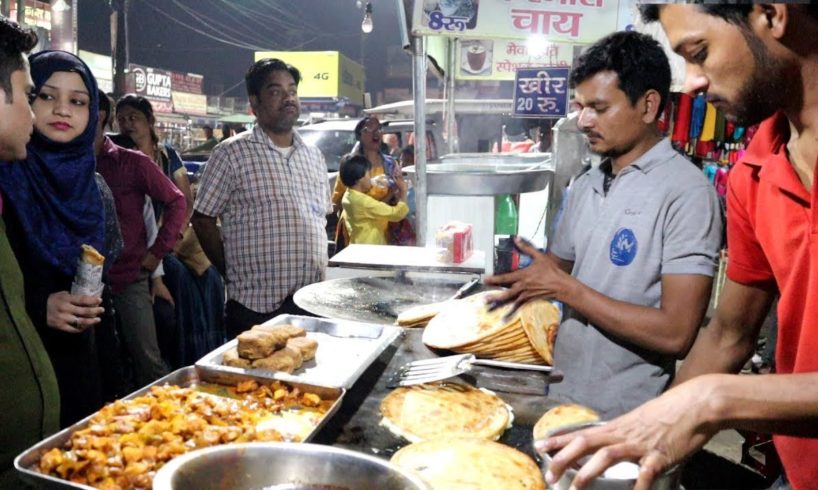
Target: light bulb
(367,25)
(359,3)
(60,6)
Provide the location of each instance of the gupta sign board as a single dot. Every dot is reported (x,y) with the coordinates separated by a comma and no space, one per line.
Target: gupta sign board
(152,83)
(323,73)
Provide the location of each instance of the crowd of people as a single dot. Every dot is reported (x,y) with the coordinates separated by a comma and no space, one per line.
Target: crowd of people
(632,258)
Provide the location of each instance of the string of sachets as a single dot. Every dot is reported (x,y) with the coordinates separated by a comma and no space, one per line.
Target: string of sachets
(698,129)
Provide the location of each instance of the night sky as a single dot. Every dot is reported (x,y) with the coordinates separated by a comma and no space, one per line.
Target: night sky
(159,39)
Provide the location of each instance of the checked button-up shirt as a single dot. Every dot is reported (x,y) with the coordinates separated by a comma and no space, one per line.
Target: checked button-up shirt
(272,205)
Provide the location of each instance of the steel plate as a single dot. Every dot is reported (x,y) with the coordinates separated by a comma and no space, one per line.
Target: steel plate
(378,299)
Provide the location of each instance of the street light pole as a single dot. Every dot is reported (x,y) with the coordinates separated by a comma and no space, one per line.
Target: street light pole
(119,45)
(21,12)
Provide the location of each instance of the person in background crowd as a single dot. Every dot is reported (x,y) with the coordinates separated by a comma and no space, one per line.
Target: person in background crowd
(209,143)
(392,145)
(635,250)
(189,295)
(368,134)
(46,233)
(756,62)
(29,401)
(132,176)
(407,156)
(366,217)
(269,188)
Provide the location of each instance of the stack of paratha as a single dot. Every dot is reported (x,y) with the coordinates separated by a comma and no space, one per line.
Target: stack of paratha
(470,463)
(419,316)
(467,326)
(564,415)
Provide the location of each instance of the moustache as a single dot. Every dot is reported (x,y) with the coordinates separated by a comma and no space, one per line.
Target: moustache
(591,134)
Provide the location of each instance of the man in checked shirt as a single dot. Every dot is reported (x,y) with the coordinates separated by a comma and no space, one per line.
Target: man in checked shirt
(269,189)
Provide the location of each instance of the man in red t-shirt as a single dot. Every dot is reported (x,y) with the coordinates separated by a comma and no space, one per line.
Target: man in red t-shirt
(755,62)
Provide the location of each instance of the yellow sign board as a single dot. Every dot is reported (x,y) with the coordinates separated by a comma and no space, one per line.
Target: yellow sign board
(323,73)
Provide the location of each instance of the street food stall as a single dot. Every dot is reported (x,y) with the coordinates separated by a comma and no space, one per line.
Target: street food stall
(395,358)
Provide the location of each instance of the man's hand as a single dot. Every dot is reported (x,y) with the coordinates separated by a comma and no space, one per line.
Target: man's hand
(160,290)
(72,313)
(658,435)
(543,278)
(150,262)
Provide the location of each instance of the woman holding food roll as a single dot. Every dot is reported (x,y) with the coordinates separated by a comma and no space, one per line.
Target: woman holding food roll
(52,207)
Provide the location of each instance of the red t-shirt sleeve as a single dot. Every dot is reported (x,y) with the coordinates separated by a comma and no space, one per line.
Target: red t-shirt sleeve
(746,263)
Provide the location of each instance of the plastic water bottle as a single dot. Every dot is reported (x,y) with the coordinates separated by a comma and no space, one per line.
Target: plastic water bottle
(506,257)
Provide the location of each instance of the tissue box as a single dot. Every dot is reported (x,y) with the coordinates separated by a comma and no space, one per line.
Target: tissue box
(454,243)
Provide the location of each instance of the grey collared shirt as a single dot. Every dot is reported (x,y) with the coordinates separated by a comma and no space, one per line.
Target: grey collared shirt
(660,216)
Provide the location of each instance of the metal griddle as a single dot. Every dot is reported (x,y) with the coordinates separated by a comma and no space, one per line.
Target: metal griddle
(377,299)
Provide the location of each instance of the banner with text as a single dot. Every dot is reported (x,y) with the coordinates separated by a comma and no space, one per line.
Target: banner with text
(566,21)
(482,59)
(153,84)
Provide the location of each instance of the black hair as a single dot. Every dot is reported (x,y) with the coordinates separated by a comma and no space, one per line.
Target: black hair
(359,128)
(104,106)
(353,169)
(14,43)
(257,74)
(637,59)
(408,150)
(735,13)
(142,105)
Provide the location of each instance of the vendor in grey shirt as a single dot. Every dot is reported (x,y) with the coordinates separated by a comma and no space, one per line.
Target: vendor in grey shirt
(634,253)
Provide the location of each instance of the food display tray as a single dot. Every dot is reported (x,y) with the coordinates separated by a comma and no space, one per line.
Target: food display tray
(184,377)
(345,350)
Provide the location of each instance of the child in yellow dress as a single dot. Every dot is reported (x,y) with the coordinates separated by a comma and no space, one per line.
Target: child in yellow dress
(366,217)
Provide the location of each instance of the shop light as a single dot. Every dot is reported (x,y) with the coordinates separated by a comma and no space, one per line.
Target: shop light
(60,6)
(537,45)
(367,24)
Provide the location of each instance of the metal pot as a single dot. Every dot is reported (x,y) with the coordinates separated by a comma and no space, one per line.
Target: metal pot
(281,466)
(669,480)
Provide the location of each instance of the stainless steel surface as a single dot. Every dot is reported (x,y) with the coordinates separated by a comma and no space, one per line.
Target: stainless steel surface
(570,156)
(483,174)
(186,376)
(415,259)
(257,466)
(428,370)
(419,69)
(669,480)
(345,350)
(467,288)
(377,299)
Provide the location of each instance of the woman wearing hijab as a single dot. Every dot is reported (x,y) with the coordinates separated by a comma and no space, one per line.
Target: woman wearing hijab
(52,206)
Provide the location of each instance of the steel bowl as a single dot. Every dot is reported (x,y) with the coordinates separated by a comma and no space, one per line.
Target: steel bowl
(669,480)
(281,466)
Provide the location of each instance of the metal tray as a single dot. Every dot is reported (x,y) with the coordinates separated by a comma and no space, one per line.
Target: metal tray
(345,350)
(182,377)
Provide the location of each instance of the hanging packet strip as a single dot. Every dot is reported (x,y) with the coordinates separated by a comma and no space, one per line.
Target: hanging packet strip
(681,126)
(697,116)
(709,126)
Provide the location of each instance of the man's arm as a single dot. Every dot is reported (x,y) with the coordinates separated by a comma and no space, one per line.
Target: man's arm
(669,329)
(666,430)
(725,344)
(210,238)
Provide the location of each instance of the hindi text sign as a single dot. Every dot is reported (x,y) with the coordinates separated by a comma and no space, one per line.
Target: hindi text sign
(541,92)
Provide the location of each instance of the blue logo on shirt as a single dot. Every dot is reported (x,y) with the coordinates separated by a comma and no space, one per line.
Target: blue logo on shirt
(623,247)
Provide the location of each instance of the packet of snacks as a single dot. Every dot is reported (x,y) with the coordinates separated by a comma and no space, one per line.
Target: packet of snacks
(88,279)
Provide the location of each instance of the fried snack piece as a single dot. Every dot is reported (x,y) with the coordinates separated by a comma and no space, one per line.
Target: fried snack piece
(289,330)
(257,344)
(90,255)
(305,345)
(563,416)
(231,358)
(287,359)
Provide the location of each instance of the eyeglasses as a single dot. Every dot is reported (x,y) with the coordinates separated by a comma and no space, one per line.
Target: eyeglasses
(376,129)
